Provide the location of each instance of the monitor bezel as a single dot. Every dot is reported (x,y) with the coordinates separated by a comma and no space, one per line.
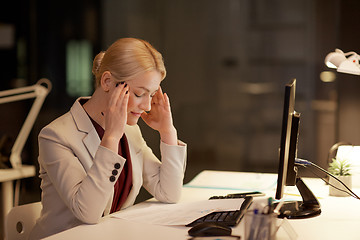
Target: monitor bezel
(286,171)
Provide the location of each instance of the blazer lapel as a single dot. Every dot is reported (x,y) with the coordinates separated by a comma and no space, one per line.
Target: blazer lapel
(83,123)
(92,142)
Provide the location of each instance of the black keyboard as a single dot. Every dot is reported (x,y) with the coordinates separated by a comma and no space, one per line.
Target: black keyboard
(229,218)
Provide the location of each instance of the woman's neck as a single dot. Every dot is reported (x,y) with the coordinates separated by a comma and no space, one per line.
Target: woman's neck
(95,106)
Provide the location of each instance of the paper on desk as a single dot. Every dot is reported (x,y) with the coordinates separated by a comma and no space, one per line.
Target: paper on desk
(234,180)
(177,214)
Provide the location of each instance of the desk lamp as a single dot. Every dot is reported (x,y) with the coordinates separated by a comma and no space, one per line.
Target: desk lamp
(37,91)
(344,62)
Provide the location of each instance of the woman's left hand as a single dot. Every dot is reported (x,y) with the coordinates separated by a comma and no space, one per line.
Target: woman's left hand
(160,118)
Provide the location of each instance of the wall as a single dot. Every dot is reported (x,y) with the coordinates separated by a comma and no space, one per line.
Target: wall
(228,62)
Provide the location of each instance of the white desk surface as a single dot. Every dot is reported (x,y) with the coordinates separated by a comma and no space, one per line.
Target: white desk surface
(340,217)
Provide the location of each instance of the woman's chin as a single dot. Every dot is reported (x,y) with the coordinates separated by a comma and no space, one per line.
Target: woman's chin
(132,121)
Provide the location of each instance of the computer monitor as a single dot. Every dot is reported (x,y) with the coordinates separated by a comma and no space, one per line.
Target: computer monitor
(287,171)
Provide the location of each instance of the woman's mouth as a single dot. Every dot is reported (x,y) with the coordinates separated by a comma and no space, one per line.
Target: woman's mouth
(136,114)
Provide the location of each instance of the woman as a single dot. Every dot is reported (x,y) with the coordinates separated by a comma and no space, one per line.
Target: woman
(93,159)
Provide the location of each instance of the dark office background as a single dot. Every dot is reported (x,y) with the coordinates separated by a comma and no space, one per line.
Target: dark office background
(227,62)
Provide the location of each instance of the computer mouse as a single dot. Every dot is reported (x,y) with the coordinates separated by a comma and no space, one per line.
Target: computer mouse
(209,229)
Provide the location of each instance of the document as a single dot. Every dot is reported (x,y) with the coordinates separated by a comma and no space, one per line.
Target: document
(234,181)
(176,214)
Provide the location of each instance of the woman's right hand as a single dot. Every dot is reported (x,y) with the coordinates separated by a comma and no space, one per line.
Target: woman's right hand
(115,116)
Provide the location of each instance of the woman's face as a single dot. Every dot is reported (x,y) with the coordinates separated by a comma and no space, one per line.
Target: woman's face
(141,89)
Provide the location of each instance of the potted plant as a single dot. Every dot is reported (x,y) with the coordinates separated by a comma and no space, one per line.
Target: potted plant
(340,168)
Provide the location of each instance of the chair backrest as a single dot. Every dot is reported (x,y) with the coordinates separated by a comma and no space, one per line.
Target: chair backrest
(21,220)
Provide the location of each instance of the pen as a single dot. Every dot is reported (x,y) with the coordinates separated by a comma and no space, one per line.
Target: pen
(268,208)
(265,223)
(264,228)
(254,225)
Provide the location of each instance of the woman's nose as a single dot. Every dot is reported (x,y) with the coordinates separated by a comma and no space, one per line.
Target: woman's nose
(146,104)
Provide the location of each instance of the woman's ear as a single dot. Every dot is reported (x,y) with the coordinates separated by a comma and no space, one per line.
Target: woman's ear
(106,81)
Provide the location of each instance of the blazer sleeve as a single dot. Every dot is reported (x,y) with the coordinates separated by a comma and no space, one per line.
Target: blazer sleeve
(86,192)
(163,179)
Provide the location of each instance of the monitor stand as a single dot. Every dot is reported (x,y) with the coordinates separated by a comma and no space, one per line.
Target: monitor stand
(308,207)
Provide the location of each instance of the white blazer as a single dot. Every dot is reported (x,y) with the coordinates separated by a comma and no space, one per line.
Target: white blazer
(75,172)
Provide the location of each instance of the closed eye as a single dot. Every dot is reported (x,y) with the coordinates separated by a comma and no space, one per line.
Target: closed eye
(136,95)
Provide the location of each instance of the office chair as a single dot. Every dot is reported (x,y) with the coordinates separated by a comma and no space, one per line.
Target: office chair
(20,220)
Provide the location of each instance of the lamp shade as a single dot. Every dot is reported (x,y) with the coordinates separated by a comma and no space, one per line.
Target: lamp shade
(343,62)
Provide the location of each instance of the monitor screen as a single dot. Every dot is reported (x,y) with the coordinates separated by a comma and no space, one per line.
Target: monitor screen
(287,174)
(287,151)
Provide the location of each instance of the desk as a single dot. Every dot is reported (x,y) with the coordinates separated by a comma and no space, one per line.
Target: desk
(340,217)
(7,176)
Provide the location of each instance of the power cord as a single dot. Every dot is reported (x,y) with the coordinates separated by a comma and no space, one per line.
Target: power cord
(326,181)
(304,163)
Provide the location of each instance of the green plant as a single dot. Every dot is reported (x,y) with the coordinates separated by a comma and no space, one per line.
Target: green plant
(340,167)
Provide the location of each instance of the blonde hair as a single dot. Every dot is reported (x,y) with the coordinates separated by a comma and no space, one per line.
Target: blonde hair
(126,58)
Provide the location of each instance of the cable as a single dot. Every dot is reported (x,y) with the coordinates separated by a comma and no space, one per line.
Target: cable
(327,182)
(352,193)
(304,163)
